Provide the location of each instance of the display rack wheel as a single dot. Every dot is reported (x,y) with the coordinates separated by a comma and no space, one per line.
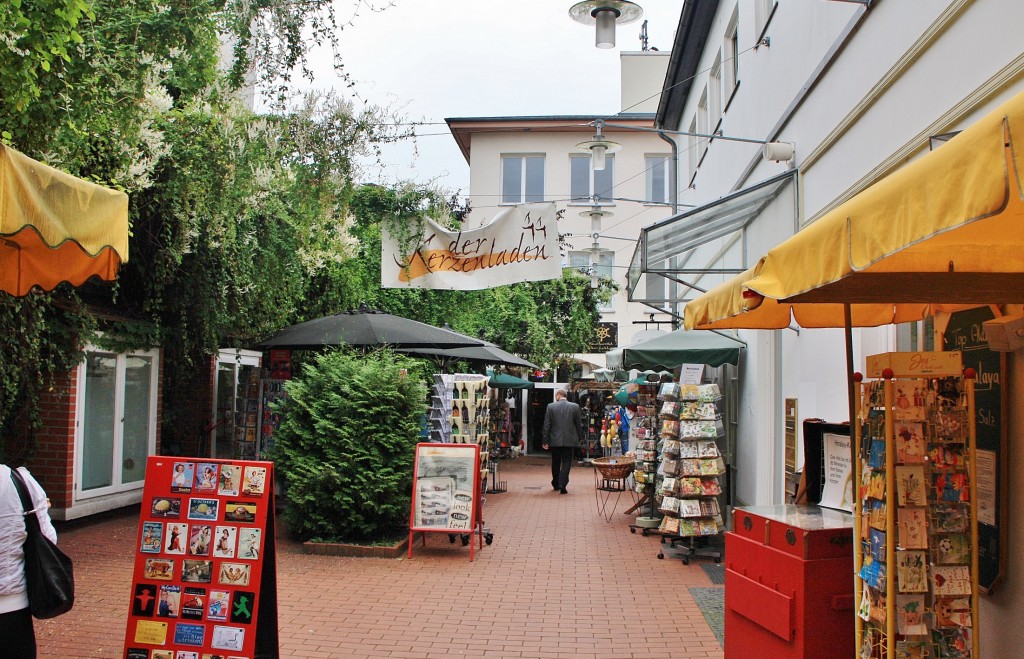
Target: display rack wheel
(718,559)
(465,540)
(661,555)
(644,533)
(489,538)
(686,560)
(632,530)
(451,538)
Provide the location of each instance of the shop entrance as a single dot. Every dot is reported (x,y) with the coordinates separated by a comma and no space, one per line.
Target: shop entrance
(537,401)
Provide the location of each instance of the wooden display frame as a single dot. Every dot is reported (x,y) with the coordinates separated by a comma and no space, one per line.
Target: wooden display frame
(446,492)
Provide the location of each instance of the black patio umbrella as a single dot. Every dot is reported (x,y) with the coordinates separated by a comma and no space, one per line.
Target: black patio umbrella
(488,353)
(366,328)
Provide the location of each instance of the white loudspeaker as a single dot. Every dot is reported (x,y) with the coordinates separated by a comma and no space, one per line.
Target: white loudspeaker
(1005,334)
(779,151)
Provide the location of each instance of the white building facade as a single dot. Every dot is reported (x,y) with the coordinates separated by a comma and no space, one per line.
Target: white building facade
(857,89)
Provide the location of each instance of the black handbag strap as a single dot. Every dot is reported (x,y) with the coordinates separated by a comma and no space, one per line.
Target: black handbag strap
(31,521)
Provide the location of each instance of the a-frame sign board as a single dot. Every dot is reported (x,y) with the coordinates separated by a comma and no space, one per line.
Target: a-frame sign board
(446,492)
(205,577)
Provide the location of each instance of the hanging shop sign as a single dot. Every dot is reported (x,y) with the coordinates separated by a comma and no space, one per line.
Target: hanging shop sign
(519,244)
(205,581)
(446,491)
(606,337)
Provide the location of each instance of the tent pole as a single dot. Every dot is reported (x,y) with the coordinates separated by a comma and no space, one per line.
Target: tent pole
(850,385)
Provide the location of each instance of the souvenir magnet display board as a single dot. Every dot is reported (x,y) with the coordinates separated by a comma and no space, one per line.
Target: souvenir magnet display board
(204,583)
(446,491)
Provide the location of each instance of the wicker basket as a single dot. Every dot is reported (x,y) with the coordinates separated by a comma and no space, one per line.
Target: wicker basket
(614,468)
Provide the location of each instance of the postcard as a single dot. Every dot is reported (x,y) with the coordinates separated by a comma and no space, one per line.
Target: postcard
(188,633)
(953,549)
(910,443)
(913,528)
(206,477)
(202,509)
(193,603)
(912,571)
(181,476)
(199,540)
(953,612)
(197,571)
(228,638)
(224,542)
(951,580)
(947,456)
(910,488)
(220,602)
(177,536)
(951,486)
(948,426)
(166,507)
(948,518)
(910,400)
(249,544)
(234,574)
(953,643)
(254,481)
(910,620)
(876,540)
(158,569)
(170,601)
(230,479)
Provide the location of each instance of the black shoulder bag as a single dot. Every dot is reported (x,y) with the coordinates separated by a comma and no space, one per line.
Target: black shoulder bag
(48,571)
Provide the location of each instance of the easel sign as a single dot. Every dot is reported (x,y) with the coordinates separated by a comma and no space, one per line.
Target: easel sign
(446,491)
(205,579)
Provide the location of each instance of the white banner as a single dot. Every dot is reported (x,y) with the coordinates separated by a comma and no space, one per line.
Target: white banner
(519,244)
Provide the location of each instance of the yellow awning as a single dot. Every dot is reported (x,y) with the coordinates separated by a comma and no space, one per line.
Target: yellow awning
(56,227)
(944,232)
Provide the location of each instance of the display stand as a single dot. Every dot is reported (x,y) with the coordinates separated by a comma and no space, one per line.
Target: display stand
(612,480)
(205,580)
(916,560)
(690,468)
(646,459)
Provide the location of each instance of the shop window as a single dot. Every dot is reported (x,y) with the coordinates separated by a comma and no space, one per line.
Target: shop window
(117,396)
(522,179)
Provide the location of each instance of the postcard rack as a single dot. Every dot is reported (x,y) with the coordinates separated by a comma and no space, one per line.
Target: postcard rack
(690,466)
(916,558)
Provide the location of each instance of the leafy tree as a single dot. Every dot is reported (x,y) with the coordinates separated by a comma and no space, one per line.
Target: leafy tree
(346,445)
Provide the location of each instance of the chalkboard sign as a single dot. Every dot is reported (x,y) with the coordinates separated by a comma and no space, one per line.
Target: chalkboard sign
(966,333)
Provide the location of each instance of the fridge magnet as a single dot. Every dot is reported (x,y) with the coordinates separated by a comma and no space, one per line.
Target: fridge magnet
(217,610)
(152,537)
(181,476)
(953,549)
(177,533)
(249,544)
(186,654)
(151,632)
(951,580)
(242,604)
(913,528)
(188,633)
(202,509)
(909,443)
(137,653)
(953,612)
(165,507)
(253,481)
(197,571)
(199,540)
(240,511)
(951,487)
(910,490)
(144,600)
(170,600)
(910,615)
(228,638)
(224,544)
(912,571)
(230,478)
(193,603)
(234,574)
(158,569)
(163,654)
(206,477)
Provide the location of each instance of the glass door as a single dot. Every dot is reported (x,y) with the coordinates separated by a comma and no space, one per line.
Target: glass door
(235,404)
(117,400)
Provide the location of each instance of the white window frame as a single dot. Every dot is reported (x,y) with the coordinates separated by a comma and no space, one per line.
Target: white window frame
(730,59)
(692,146)
(609,168)
(715,93)
(525,195)
(763,10)
(653,162)
(116,485)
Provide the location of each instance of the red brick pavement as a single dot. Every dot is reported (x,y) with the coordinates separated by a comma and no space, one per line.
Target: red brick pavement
(558,581)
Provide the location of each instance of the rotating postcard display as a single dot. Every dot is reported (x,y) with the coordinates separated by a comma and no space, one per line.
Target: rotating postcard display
(459,409)
(204,583)
(646,457)
(916,560)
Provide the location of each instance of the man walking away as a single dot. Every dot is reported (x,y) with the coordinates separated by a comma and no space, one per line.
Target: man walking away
(561,435)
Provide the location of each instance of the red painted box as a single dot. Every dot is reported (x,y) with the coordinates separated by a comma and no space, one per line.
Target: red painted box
(789,583)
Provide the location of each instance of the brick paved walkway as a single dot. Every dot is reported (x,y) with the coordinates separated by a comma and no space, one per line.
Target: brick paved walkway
(558,581)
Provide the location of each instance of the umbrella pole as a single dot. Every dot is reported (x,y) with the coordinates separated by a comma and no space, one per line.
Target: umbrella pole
(850,384)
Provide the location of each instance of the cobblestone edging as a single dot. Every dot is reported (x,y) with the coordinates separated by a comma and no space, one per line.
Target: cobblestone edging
(357,551)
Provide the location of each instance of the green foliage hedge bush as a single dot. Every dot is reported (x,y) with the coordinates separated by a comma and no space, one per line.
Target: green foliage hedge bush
(346,444)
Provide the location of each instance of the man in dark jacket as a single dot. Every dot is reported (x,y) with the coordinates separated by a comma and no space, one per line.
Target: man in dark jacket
(561,435)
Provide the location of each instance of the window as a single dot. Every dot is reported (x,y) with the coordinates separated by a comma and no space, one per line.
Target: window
(586,183)
(658,176)
(730,58)
(762,15)
(522,179)
(117,432)
(715,93)
(692,144)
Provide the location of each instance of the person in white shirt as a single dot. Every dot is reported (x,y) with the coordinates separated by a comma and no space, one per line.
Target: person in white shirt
(17,635)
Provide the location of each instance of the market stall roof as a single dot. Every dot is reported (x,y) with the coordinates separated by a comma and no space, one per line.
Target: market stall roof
(944,232)
(55,227)
(506,381)
(676,348)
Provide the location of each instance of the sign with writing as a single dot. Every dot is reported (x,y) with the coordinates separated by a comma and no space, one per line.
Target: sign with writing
(606,337)
(837,467)
(519,244)
(966,333)
(446,491)
(915,364)
(205,578)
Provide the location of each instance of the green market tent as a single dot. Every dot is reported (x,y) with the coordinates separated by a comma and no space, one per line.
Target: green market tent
(679,347)
(506,381)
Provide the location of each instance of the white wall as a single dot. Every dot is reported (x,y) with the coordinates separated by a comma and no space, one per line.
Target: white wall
(642,75)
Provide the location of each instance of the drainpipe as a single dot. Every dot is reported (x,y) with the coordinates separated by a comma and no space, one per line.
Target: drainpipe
(673,181)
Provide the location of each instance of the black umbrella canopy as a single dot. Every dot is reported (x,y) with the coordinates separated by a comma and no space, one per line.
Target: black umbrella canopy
(488,353)
(366,328)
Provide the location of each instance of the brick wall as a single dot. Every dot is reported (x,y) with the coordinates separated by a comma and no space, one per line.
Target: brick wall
(52,461)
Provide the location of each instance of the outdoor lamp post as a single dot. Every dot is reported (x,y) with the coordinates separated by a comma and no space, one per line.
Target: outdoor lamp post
(595,214)
(598,146)
(605,14)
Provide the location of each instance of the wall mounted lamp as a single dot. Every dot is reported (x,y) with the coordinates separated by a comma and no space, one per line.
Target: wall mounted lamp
(605,14)
(598,146)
